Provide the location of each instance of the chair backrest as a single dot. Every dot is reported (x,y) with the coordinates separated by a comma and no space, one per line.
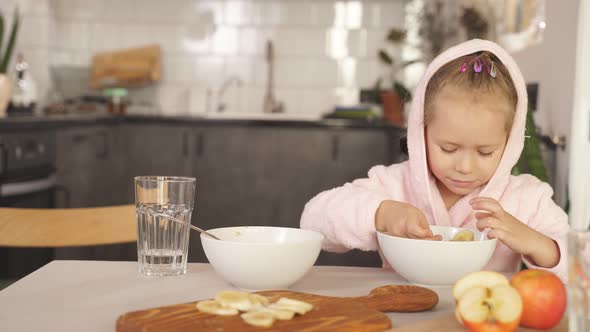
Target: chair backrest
(67,227)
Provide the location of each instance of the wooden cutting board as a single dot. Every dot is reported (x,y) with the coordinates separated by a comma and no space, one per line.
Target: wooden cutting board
(448,323)
(126,68)
(329,313)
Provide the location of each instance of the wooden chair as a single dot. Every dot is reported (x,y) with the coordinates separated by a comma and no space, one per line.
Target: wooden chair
(67,227)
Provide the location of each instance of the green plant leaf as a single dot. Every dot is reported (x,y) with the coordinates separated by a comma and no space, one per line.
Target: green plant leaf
(11,42)
(385,58)
(531,159)
(402,91)
(1,34)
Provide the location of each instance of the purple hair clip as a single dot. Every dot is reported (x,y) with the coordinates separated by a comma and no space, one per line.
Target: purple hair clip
(477,65)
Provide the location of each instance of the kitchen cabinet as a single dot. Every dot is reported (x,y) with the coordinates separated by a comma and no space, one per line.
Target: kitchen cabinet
(234,169)
(247,174)
(261,175)
(86,166)
(90,167)
(344,155)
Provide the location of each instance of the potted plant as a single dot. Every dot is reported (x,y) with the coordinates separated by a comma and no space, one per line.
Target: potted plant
(397,94)
(5,84)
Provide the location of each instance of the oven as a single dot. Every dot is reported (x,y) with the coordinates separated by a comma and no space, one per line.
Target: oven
(27,180)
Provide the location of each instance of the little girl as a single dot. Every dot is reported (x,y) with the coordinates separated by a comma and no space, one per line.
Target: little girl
(466,131)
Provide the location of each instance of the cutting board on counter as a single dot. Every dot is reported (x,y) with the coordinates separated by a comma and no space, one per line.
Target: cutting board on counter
(448,323)
(365,313)
(126,68)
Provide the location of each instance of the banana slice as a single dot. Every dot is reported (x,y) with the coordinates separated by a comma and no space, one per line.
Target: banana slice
(258,318)
(258,300)
(464,235)
(216,308)
(234,299)
(278,313)
(299,307)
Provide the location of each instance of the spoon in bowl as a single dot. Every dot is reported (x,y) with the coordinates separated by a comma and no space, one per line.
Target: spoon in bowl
(200,230)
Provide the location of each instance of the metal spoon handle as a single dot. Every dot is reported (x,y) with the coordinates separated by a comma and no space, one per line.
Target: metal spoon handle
(200,230)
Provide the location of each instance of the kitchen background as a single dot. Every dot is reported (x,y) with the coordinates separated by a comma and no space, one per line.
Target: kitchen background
(325,53)
(324,50)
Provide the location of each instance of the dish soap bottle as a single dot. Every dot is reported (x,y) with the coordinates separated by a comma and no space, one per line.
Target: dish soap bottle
(24,96)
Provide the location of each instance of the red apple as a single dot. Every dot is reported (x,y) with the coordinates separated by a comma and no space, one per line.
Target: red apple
(495,309)
(543,296)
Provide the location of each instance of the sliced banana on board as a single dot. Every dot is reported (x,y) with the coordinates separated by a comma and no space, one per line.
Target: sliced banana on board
(258,300)
(299,307)
(278,313)
(258,318)
(216,308)
(234,299)
(258,311)
(464,236)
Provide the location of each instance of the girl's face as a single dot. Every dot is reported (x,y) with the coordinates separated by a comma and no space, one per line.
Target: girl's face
(465,139)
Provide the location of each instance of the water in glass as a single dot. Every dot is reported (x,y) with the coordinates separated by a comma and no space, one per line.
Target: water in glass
(162,244)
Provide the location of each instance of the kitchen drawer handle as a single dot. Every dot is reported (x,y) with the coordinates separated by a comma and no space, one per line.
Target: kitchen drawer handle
(200,139)
(105,146)
(28,187)
(335,147)
(184,144)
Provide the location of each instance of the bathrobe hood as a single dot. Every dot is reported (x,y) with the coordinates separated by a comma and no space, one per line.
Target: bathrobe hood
(421,180)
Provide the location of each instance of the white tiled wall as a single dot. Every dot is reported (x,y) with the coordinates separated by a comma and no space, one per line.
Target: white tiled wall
(324,50)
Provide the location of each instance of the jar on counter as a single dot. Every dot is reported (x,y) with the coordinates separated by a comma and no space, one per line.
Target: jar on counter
(117,100)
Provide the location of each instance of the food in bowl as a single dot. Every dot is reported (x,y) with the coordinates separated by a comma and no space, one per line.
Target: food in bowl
(262,257)
(464,235)
(437,263)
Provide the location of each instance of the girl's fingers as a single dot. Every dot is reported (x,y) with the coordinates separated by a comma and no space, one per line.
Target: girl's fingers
(419,231)
(487,204)
(489,222)
(434,238)
(496,234)
(481,215)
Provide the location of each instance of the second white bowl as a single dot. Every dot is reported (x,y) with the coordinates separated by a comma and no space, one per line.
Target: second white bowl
(436,262)
(261,257)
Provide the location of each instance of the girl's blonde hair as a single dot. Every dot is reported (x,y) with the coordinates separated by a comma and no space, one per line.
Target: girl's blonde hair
(451,74)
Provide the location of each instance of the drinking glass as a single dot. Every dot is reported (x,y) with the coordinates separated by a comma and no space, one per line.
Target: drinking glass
(579,280)
(162,204)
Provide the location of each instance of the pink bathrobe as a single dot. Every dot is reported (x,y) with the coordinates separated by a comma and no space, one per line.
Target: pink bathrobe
(346,215)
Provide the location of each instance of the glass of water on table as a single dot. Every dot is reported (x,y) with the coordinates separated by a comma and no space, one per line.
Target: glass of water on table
(162,205)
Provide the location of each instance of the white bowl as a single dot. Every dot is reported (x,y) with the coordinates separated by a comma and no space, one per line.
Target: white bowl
(259,257)
(435,263)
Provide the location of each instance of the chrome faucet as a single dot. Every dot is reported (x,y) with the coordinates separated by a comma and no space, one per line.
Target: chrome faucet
(221,105)
(271,105)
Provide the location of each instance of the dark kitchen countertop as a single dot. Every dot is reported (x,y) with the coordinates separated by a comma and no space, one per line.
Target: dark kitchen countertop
(73,120)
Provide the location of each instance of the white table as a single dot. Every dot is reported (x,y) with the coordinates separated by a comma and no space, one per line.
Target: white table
(90,295)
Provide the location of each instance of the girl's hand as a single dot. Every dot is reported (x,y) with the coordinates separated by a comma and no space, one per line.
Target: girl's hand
(403,220)
(513,233)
